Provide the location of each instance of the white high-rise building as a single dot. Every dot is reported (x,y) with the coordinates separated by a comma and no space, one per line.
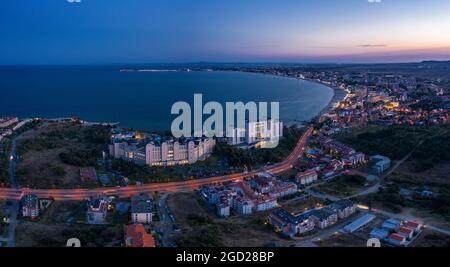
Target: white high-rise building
(256,132)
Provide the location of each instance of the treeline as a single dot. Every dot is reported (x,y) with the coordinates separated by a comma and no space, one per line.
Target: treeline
(394,142)
(250,158)
(4,174)
(398,140)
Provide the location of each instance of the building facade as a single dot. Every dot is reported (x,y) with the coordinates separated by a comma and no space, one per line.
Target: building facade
(141,209)
(30,206)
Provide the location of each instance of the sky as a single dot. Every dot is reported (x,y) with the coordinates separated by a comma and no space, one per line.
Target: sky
(176,31)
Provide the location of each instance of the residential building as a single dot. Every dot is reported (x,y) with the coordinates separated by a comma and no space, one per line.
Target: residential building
(417,227)
(379,233)
(324,217)
(129,150)
(8,121)
(159,151)
(223,209)
(97,209)
(343,208)
(265,203)
(381,163)
(171,152)
(141,209)
(354,159)
(397,240)
(391,224)
(30,206)
(307,177)
(243,205)
(406,232)
(136,236)
(289,224)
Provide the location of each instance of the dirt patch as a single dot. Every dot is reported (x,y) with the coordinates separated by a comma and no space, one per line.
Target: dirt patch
(45,169)
(53,154)
(342,240)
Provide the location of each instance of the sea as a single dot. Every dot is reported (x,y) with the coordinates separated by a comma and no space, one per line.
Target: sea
(143,99)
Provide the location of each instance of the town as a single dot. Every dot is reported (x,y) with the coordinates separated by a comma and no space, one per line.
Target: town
(325,171)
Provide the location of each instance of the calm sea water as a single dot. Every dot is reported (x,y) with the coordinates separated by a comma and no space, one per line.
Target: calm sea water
(143,100)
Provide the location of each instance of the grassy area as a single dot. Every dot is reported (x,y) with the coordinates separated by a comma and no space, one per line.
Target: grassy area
(212,166)
(432,239)
(342,240)
(344,185)
(54,152)
(32,234)
(201,227)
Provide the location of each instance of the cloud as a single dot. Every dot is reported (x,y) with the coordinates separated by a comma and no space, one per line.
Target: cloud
(371,45)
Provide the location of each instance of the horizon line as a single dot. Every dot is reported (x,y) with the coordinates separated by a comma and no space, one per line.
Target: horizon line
(222,62)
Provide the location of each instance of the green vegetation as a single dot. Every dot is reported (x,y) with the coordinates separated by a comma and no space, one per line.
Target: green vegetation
(83,144)
(237,157)
(148,174)
(399,140)
(204,232)
(4,175)
(4,163)
(432,239)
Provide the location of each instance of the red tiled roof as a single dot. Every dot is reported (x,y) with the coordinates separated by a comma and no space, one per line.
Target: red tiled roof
(405,230)
(136,236)
(307,173)
(411,224)
(397,237)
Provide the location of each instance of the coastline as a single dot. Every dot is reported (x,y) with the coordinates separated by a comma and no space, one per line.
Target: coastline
(338,96)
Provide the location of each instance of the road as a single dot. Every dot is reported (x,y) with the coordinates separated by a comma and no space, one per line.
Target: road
(166,223)
(14,207)
(82,194)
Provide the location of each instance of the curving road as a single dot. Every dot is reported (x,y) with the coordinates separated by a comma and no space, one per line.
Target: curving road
(81,194)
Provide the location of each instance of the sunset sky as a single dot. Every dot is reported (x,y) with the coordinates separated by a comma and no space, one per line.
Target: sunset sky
(150,31)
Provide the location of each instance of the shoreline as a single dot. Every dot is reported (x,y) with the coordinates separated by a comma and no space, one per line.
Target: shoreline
(338,96)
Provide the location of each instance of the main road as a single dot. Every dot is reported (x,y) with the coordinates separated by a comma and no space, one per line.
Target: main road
(81,194)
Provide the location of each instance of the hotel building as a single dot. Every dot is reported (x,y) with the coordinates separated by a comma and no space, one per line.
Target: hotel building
(173,152)
(256,132)
(157,152)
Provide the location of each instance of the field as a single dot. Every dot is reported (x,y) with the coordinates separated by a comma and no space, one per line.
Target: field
(344,186)
(53,153)
(64,220)
(201,227)
(299,206)
(432,239)
(356,239)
